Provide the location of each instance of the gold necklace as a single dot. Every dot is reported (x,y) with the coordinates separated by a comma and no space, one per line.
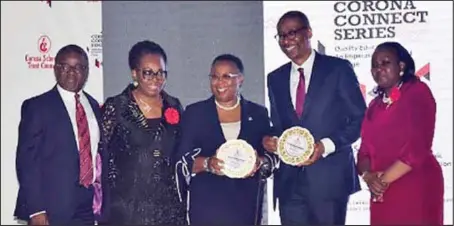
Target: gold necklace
(146,107)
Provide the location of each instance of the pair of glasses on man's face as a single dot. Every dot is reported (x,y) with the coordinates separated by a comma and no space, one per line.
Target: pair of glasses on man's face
(149,74)
(289,35)
(225,77)
(66,67)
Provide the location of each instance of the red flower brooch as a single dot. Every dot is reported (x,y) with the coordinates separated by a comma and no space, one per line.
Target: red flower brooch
(172,116)
(394,95)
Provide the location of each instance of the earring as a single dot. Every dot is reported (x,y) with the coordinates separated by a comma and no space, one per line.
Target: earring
(401,73)
(135,83)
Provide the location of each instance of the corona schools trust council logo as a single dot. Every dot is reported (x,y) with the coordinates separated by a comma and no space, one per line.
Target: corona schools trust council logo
(43,60)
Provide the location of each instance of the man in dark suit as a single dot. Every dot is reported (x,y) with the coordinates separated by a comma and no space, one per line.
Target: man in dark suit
(57,163)
(332,109)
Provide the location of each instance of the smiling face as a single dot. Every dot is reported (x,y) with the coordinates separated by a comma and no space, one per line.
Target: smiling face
(150,74)
(294,39)
(386,68)
(225,81)
(71,71)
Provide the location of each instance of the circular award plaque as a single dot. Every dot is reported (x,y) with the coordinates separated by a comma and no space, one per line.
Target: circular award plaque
(239,158)
(295,145)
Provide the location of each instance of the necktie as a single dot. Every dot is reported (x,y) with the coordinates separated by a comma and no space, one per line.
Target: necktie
(97,198)
(85,158)
(300,93)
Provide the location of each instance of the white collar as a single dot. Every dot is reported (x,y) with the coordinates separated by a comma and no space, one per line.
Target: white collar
(307,64)
(67,95)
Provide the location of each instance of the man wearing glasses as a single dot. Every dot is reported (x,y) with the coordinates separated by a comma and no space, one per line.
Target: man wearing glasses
(58,165)
(319,93)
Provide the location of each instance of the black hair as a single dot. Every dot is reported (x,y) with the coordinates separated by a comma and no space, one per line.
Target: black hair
(231,58)
(142,48)
(295,15)
(72,48)
(402,56)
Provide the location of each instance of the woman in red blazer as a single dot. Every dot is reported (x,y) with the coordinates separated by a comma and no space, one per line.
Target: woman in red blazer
(395,158)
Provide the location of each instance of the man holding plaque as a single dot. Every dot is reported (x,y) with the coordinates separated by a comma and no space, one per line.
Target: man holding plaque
(221,151)
(316,110)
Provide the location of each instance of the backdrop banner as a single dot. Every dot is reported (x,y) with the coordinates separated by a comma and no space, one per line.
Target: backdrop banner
(351,30)
(32,34)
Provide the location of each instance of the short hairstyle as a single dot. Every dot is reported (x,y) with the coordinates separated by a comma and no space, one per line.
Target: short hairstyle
(143,48)
(402,56)
(295,15)
(72,48)
(231,58)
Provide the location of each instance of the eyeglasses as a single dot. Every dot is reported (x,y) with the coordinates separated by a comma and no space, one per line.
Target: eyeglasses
(149,74)
(289,35)
(66,67)
(225,77)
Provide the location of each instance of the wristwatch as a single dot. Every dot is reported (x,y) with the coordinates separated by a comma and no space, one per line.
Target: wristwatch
(205,164)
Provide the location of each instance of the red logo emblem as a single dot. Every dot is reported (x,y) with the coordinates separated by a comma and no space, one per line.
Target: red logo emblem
(363,90)
(424,72)
(44,44)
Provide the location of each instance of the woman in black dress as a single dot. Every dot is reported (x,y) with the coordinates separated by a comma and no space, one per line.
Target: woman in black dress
(140,131)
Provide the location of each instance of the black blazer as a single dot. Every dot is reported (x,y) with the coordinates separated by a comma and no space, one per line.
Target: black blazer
(218,199)
(47,161)
(334,108)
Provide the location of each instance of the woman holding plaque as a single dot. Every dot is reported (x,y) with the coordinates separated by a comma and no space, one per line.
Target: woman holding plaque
(395,158)
(140,133)
(207,126)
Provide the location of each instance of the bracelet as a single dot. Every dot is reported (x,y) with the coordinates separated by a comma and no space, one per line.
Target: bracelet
(205,164)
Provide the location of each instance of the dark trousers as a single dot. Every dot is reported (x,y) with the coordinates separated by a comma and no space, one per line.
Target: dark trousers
(300,208)
(84,211)
(83,214)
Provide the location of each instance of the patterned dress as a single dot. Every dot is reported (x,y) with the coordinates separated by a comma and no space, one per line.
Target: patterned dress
(141,182)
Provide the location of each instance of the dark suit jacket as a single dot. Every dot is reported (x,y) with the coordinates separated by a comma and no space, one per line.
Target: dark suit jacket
(219,199)
(334,108)
(47,161)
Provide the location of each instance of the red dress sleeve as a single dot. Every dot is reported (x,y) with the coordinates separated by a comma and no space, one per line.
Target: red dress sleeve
(364,150)
(419,120)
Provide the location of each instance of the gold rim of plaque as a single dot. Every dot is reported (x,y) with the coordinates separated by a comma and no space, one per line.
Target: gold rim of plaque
(242,145)
(295,131)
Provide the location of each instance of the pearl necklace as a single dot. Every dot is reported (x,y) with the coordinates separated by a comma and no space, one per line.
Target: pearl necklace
(228,108)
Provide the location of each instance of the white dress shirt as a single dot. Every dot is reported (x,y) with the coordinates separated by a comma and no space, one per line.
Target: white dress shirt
(294,80)
(70,104)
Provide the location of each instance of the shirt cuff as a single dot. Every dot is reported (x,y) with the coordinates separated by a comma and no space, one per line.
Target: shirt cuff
(329,146)
(38,213)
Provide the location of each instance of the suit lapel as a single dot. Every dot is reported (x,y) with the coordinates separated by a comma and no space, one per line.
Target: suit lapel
(96,109)
(245,119)
(284,87)
(61,115)
(213,116)
(171,131)
(315,83)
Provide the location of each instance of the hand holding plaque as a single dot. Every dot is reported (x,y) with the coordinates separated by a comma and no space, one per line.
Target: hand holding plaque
(295,146)
(239,158)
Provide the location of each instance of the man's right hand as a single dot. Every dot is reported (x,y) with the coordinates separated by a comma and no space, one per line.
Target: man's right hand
(40,219)
(270,143)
